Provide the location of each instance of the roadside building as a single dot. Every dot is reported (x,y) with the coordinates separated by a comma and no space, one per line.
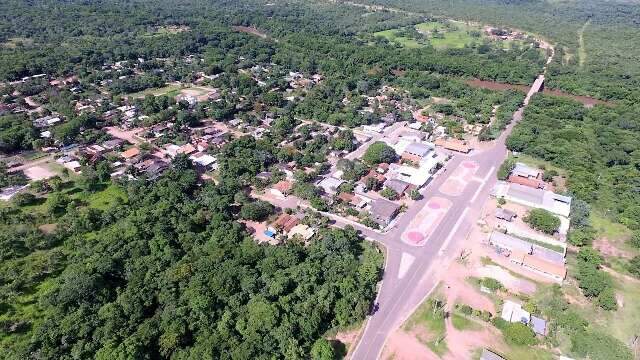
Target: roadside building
(535,198)
(454,144)
(525,171)
(533,257)
(383,211)
(529,182)
(415,152)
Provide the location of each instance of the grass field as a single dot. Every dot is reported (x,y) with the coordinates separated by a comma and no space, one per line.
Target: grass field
(431,321)
(462,323)
(169,90)
(442,35)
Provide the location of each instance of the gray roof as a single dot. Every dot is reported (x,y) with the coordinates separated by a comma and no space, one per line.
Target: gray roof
(515,243)
(548,254)
(526,193)
(525,171)
(490,355)
(510,242)
(505,214)
(418,149)
(397,185)
(330,184)
(384,210)
(539,325)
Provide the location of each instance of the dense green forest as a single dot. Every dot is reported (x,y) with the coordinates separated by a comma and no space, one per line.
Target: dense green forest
(604,64)
(600,147)
(164,271)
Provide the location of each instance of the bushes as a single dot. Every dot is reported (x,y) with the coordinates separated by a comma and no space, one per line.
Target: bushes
(634,266)
(256,211)
(542,220)
(594,282)
(519,334)
(491,283)
(599,346)
(505,168)
(379,152)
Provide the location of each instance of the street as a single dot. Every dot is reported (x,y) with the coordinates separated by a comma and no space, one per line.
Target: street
(409,274)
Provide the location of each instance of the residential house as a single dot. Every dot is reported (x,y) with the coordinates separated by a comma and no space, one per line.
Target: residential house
(513,312)
(399,186)
(282,188)
(264,176)
(330,185)
(383,211)
(285,223)
(304,231)
(205,162)
(454,144)
(112,144)
(130,153)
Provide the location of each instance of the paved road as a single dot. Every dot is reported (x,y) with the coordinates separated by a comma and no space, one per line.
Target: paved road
(411,272)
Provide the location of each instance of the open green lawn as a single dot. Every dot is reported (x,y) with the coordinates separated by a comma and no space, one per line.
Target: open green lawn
(102,200)
(462,322)
(441,35)
(169,90)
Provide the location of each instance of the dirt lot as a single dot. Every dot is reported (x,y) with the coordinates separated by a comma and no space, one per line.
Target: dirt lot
(39,172)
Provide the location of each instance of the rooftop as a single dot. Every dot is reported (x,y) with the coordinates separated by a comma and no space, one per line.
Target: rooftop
(418,149)
(525,171)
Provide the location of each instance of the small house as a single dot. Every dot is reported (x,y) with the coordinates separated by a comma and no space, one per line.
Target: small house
(383,211)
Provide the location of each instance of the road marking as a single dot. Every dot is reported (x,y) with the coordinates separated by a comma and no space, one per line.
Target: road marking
(484,181)
(405,263)
(453,231)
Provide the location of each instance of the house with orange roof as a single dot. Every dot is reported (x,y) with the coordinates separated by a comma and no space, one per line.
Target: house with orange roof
(282,188)
(130,153)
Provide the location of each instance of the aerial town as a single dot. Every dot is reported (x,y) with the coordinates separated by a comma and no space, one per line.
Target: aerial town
(330,180)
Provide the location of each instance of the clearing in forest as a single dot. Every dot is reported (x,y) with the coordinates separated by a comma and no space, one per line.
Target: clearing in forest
(582,52)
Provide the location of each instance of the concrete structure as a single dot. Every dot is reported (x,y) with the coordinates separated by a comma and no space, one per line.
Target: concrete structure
(535,198)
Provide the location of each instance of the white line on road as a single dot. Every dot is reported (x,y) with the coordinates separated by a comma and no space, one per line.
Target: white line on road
(484,181)
(453,231)
(405,263)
